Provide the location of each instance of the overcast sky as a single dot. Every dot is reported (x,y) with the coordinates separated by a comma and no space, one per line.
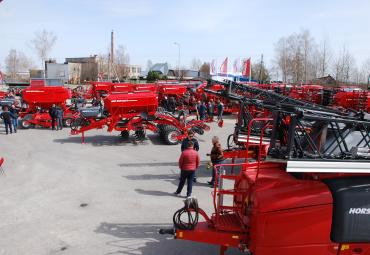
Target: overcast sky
(205,29)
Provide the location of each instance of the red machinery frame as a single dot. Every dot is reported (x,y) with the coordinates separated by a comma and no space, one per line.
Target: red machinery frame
(125,113)
(39,101)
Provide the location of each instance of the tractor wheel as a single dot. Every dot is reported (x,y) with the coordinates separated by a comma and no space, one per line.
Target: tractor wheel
(230,141)
(67,122)
(170,133)
(160,128)
(125,134)
(25,124)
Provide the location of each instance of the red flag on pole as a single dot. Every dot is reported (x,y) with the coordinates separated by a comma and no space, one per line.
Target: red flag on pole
(247,68)
(223,67)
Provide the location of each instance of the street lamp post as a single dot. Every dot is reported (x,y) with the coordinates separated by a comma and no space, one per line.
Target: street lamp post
(178,63)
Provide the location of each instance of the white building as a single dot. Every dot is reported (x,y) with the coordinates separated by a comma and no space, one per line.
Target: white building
(133,71)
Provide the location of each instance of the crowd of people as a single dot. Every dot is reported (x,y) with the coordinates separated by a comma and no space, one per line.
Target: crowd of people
(189,162)
(204,110)
(10,115)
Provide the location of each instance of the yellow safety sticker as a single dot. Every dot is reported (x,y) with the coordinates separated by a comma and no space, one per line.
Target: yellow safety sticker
(344,247)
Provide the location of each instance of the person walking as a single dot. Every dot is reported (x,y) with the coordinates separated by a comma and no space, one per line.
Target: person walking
(211,109)
(217,157)
(220,110)
(59,116)
(184,146)
(53,116)
(188,163)
(7,116)
(202,111)
(15,113)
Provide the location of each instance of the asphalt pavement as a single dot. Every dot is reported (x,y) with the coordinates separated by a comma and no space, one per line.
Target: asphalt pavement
(106,196)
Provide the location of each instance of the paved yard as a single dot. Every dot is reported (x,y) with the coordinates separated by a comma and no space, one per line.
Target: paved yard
(107,196)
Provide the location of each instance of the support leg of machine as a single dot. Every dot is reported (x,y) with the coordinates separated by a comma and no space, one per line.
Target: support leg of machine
(223,249)
(83,138)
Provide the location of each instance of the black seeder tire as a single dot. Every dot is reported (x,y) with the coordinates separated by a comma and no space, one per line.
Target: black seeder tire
(67,122)
(169,134)
(25,124)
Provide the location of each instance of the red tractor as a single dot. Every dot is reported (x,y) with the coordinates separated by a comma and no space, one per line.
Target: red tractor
(39,100)
(135,111)
(308,195)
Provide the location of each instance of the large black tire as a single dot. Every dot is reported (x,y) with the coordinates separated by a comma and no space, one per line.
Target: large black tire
(169,135)
(25,124)
(67,122)
(230,141)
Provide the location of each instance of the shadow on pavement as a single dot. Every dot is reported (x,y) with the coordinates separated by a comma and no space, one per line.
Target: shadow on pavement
(102,140)
(153,192)
(133,239)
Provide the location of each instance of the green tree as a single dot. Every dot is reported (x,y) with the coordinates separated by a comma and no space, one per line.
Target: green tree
(152,76)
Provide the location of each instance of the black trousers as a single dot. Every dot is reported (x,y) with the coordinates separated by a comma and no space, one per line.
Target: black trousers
(53,122)
(186,176)
(8,126)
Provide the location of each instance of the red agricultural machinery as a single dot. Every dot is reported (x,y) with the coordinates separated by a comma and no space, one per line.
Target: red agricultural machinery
(39,100)
(135,111)
(309,194)
(352,98)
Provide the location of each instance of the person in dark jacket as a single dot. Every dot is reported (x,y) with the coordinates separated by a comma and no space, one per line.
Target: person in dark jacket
(217,157)
(7,116)
(59,116)
(15,113)
(211,109)
(220,110)
(188,163)
(202,111)
(53,115)
(172,105)
(184,144)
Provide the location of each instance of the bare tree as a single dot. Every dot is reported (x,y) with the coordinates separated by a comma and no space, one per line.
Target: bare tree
(281,57)
(365,71)
(195,64)
(324,57)
(16,62)
(121,60)
(343,65)
(43,44)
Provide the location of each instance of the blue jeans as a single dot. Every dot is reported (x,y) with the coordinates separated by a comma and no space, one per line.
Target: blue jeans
(214,171)
(186,176)
(59,123)
(15,124)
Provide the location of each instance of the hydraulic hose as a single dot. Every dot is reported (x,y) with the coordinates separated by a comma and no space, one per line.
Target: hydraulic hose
(190,212)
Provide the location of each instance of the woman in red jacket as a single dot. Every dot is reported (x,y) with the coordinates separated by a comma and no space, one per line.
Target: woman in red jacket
(188,163)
